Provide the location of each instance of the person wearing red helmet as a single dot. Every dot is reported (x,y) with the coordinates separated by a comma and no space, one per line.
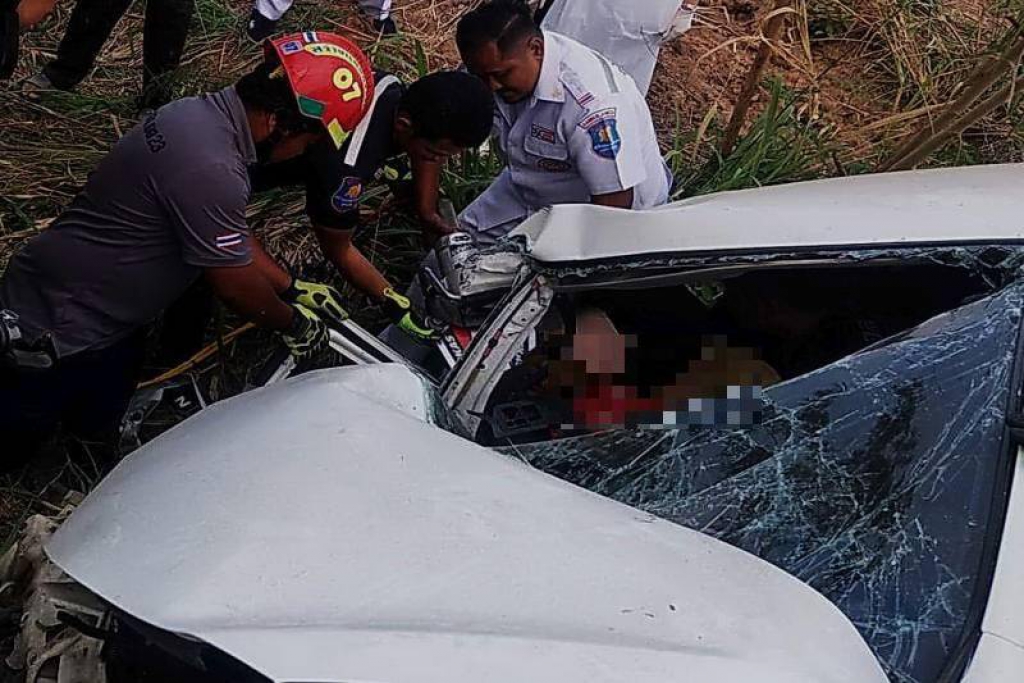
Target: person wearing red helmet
(163,209)
(403,141)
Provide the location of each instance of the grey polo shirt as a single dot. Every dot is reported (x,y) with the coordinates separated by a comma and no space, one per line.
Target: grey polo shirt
(167,201)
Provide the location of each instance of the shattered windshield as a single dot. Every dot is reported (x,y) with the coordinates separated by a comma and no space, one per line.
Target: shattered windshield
(872,479)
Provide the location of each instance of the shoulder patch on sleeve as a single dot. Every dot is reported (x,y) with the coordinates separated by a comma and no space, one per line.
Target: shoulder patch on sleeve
(603,129)
(347,197)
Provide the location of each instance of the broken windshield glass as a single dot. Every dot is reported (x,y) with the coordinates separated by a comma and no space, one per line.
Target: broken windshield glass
(871,479)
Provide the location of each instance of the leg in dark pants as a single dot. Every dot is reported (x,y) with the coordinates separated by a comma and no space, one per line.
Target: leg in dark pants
(89,27)
(164,35)
(87,393)
(165,31)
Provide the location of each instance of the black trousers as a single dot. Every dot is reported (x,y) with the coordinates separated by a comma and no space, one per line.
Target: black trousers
(87,393)
(164,33)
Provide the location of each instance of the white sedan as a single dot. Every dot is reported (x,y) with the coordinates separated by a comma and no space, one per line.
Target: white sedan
(861,519)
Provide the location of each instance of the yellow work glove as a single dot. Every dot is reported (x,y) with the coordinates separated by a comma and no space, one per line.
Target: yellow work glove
(308,334)
(401,312)
(323,300)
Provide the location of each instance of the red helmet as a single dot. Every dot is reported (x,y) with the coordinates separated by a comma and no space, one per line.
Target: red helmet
(331,77)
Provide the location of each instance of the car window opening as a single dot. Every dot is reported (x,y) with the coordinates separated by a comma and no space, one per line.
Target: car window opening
(626,358)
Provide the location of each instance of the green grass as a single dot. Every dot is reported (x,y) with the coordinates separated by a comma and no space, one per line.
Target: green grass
(778,147)
(214,17)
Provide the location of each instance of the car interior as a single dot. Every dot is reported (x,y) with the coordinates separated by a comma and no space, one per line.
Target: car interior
(698,339)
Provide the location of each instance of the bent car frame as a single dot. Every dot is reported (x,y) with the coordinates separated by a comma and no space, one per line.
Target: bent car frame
(815,474)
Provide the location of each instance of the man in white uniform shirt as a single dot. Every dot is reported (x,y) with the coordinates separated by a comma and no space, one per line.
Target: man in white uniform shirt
(572,126)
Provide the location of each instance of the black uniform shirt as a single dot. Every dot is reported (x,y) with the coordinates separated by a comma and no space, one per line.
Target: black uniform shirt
(336,179)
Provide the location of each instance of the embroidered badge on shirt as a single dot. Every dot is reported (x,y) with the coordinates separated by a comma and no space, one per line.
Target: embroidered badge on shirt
(603,129)
(542,133)
(348,194)
(554,165)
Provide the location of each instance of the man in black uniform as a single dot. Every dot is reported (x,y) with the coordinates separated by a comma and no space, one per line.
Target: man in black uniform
(434,118)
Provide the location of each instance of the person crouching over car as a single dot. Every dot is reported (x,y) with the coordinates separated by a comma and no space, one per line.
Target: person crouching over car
(573,127)
(165,207)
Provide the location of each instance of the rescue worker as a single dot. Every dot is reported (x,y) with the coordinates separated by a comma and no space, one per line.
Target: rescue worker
(266,13)
(16,16)
(165,207)
(436,117)
(165,30)
(573,127)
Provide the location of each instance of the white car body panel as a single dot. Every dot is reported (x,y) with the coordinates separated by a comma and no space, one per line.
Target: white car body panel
(980,204)
(995,661)
(319,532)
(1000,654)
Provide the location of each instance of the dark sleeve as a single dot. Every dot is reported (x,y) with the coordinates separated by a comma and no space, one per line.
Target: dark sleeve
(333,189)
(206,208)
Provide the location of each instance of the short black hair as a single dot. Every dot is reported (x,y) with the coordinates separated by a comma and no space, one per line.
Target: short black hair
(502,22)
(267,88)
(450,105)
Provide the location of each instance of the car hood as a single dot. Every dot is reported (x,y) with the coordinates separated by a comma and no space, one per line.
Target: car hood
(317,533)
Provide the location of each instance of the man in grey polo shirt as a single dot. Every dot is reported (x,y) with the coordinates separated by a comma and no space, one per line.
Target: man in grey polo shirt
(166,206)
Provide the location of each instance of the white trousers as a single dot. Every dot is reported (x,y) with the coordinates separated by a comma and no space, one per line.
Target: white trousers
(275,9)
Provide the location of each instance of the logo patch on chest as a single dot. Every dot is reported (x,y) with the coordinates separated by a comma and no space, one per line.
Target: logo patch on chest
(347,197)
(543,134)
(554,165)
(603,129)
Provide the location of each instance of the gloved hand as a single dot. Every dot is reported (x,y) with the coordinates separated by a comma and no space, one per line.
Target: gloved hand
(308,334)
(323,300)
(400,310)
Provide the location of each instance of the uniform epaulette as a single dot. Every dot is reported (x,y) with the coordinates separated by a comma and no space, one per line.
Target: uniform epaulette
(574,86)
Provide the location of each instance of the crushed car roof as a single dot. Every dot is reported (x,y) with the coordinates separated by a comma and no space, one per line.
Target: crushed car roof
(976,205)
(343,538)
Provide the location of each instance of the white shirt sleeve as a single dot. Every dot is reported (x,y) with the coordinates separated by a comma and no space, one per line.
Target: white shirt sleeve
(605,150)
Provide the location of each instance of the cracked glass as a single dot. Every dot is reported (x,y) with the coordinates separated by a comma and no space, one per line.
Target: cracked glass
(873,479)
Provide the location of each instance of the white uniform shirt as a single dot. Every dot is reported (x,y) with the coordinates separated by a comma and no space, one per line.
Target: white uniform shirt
(628,32)
(586,131)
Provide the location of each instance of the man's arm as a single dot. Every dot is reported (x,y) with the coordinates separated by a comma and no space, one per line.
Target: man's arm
(616,200)
(278,278)
(250,294)
(426,190)
(349,260)
(606,154)
(206,207)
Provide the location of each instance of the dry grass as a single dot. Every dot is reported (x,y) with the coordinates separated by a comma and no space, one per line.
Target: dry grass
(864,73)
